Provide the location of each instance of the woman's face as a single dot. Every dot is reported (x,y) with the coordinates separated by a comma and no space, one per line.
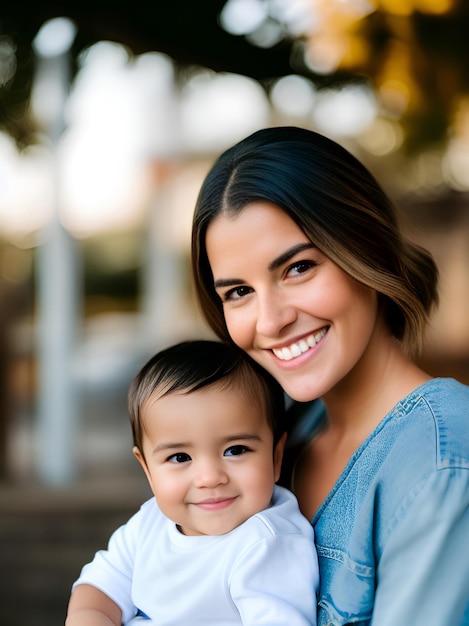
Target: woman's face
(287,305)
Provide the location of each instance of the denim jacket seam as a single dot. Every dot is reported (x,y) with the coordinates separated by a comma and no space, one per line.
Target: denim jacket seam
(443,460)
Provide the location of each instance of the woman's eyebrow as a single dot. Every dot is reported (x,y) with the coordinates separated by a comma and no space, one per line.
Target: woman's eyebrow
(288,254)
(227,282)
(276,263)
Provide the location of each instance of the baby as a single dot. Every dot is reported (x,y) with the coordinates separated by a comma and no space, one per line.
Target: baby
(219,543)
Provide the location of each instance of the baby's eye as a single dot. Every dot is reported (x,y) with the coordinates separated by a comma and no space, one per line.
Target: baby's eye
(179,457)
(300,267)
(236,293)
(236,450)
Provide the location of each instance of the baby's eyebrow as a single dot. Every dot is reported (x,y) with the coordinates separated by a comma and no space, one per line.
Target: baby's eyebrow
(169,445)
(241,436)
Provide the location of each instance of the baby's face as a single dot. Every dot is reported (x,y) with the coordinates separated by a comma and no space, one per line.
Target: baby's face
(209,458)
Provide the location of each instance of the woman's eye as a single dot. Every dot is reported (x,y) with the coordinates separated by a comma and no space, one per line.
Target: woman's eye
(179,457)
(236,450)
(300,267)
(236,294)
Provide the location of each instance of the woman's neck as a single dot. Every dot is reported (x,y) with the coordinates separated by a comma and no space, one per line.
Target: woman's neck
(355,407)
(383,377)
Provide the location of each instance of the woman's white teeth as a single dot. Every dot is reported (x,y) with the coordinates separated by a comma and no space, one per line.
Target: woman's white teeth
(290,352)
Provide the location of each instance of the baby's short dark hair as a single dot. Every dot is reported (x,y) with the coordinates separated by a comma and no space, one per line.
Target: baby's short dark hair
(192,365)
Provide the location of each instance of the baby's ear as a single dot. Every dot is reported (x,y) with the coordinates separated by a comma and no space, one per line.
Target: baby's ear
(140,458)
(138,455)
(278,455)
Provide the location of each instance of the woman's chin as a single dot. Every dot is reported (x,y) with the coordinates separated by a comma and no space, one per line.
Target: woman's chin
(298,388)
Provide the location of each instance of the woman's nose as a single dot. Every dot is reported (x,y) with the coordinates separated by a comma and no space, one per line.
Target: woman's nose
(274,314)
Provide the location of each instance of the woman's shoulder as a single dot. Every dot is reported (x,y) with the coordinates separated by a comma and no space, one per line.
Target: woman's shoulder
(438,390)
(445,401)
(427,431)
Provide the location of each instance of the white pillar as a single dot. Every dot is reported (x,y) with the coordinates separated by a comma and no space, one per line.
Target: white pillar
(57,274)
(161,279)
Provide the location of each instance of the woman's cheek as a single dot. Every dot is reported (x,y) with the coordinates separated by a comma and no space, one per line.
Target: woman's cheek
(238,327)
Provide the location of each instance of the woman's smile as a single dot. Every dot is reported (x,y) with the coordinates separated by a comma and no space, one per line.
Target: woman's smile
(290,307)
(297,348)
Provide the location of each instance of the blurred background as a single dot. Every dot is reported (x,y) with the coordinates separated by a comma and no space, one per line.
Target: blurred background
(110,116)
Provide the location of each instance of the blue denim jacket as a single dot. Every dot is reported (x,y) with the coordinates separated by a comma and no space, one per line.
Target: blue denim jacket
(393,534)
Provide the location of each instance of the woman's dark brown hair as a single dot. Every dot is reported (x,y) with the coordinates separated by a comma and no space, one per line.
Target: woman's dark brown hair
(339,206)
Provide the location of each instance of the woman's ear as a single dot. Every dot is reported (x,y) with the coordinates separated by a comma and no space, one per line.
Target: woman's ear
(278,455)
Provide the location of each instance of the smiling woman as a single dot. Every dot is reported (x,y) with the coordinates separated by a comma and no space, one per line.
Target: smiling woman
(284,281)
(318,175)
(298,259)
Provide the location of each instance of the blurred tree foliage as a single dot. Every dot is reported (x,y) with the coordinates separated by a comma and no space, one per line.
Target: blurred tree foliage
(428,52)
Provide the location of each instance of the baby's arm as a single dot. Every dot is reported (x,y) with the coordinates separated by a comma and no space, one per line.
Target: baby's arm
(89,606)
